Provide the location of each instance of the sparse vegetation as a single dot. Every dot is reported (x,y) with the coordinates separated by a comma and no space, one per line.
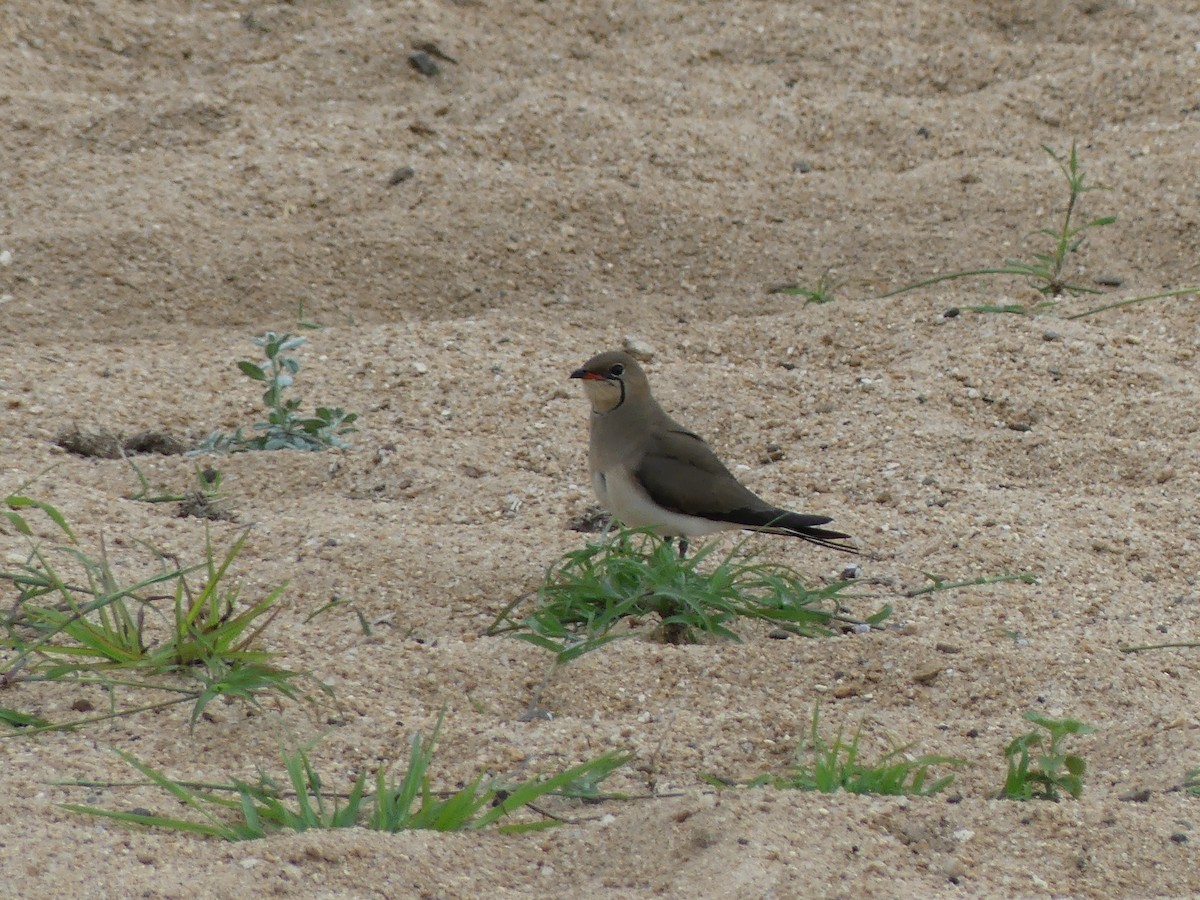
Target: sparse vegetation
(1046,272)
(1038,766)
(305,803)
(285,428)
(634,575)
(835,766)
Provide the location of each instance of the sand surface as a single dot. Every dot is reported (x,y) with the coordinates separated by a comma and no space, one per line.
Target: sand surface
(178,177)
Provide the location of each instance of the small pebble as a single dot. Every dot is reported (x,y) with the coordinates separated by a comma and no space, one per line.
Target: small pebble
(854,570)
(402,174)
(5,258)
(639,348)
(773,454)
(423,63)
(1142,796)
(929,676)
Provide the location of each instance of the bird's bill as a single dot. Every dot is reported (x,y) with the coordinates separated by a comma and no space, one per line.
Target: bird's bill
(587,376)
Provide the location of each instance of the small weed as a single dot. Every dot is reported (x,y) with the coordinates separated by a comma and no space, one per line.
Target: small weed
(829,767)
(410,804)
(87,626)
(635,575)
(938,584)
(285,428)
(337,603)
(204,502)
(1046,271)
(1046,774)
(1191,783)
(822,292)
(303,323)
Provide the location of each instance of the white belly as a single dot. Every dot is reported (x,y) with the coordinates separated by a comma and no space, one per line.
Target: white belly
(630,504)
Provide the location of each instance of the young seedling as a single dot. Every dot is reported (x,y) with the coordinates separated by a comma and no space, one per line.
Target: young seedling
(285,428)
(410,804)
(1044,775)
(204,502)
(835,766)
(634,575)
(1046,272)
(822,292)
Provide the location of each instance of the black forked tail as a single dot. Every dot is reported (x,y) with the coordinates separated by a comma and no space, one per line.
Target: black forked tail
(780,521)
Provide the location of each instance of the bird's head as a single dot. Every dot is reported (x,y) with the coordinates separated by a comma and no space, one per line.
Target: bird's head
(611,379)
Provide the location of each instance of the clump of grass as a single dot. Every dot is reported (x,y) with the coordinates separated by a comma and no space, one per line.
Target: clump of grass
(285,428)
(241,811)
(829,766)
(634,575)
(156,635)
(1045,272)
(1038,766)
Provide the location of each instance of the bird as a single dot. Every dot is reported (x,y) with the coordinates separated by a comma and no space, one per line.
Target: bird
(651,472)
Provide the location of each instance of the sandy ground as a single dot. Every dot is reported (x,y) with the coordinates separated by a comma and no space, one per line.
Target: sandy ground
(178,177)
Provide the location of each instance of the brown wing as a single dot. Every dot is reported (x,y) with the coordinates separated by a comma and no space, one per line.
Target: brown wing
(682,474)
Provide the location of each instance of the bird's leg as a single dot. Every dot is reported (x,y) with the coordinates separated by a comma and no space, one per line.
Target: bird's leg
(683,544)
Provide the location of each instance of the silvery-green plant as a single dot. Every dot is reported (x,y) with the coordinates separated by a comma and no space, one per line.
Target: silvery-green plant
(285,428)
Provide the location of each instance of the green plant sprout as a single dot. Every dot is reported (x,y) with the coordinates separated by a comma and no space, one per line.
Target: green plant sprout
(285,428)
(1050,771)
(822,292)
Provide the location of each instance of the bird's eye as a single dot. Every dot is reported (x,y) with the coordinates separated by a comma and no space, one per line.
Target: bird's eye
(617,371)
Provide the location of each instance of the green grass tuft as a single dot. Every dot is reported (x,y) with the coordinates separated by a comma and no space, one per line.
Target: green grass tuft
(634,575)
(75,620)
(241,811)
(829,766)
